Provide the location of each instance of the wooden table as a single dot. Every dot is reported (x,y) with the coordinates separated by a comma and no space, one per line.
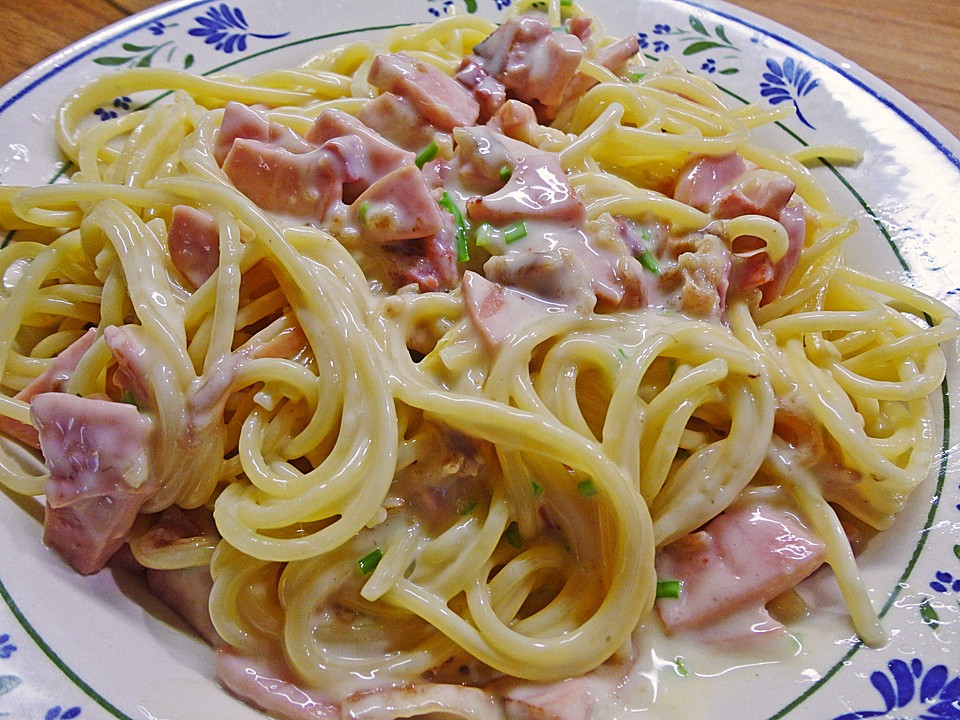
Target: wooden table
(914,45)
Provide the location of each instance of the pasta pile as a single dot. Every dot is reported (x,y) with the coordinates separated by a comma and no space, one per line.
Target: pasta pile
(380,497)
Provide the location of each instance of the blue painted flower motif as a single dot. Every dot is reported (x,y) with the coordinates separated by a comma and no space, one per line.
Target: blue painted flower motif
(644,40)
(945,583)
(660,46)
(158,27)
(709,66)
(788,83)
(7,648)
(58,713)
(661,29)
(503,4)
(119,103)
(927,695)
(226,29)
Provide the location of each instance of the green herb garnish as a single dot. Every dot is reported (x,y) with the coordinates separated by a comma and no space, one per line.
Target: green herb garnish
(668,589)
(368,563)
(514,232)
(362,210)
(427,154)
(506,172)
(537,489)
(587,488)
(649,262)
(512,535)
(463,250)
(467,508)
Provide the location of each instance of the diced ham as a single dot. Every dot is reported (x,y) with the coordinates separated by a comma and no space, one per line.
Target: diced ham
(96,452)
(705,179)
(430,262)
(482,155)
(194,243)
(267,684)
(744,557)
(364,155)
(499,314)
(615,55)
(397,207)
(184,590)
(537,188)
(397,120)
(568,700)
(555,276)
(489,92)
(53,379)
(579,26)
(301,185)
(726,187)
(516,120)
(533,62)
(700,276)
(241,121)
(439,98)
(422,700)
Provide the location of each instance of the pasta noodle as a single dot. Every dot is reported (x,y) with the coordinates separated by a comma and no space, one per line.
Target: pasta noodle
(395,477)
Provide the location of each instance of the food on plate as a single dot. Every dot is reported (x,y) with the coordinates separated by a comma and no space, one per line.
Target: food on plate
(427,376)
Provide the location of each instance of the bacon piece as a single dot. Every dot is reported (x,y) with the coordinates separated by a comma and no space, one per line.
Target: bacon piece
(397,207)
(301,185)
(364,155)
(96,453)
(241,121)
(743,558)
(53,379)
(267,684)
(194,243)
(532,61)
(443,101)
(536,189)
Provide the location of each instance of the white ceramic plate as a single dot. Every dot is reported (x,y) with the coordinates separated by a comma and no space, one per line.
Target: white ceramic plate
(99,647)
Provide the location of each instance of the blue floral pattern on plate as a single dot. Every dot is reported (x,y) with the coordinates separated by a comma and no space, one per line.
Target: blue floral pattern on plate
(226,28)
(932,694)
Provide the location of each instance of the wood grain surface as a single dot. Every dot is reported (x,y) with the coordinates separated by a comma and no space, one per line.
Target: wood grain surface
(913,45)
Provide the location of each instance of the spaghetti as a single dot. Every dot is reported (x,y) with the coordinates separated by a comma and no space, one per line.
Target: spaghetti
(429,398)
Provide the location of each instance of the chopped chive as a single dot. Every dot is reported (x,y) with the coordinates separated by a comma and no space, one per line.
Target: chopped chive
(649,262)
(637,76)
(368,563)
(566,3)
(467,508)
(362,210)
(512,535)
(128,398)
(463,251)
(506,172)
(681,668)
(623,353)
(537,489)
(484,235)
(587,488)
(514,232)
(427,154)
(668,589)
